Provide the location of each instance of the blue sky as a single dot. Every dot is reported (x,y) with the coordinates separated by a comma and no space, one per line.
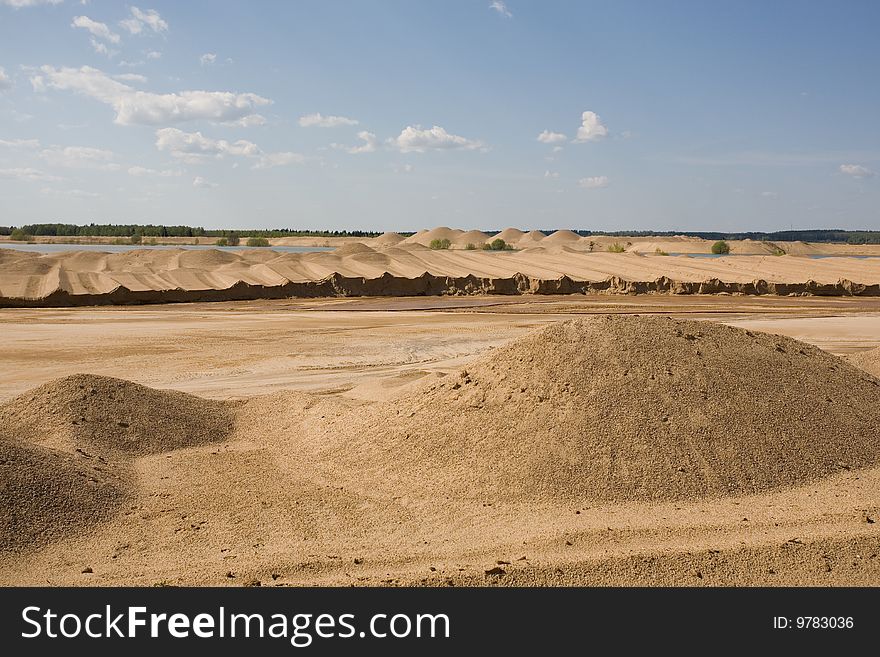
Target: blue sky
(400,115)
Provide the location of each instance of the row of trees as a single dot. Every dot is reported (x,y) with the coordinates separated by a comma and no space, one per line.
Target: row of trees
(152,230)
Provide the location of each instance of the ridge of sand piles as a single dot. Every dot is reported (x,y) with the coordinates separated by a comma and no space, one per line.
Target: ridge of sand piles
(408,269)
(615,409)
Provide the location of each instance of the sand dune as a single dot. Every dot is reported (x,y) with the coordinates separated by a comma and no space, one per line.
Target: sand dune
(558,265)
(587,452)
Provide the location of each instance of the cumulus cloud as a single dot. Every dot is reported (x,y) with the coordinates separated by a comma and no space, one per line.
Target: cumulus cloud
(5,82)
(19,4)
(317,120)
(96,29)
(27,174)
(154,54)
(591,128)
(501,8)
(101,48)
(134,107)
(194,147)
(79,157)
(247,121)
(856,171)
(207,58)
(131,77)
(371,143)
(201,183)
(413,139)
(548,137)
(593,182)
(551,174)
(144,19)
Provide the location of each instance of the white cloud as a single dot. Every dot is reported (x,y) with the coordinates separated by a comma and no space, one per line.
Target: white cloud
(193,146)
(131,77)
(369,146)
(593,182)
(139,171)
(95,28)
(269,160)
(769,194)
(5,82)
(141,19)
(134,107)
(27,174)
(548,137)
(317,120)
(79,157)
(413,139)
(207,58)
(247,121)
(501,8)
(30,144)
(19,4)
(856,171)
(591,128)
(154,54)
(200,182)
(551,174)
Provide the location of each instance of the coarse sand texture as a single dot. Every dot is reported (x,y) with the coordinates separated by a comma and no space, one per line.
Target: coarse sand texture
(614,409)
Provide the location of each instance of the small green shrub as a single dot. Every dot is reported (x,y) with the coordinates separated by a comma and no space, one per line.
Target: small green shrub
(470,246)
(222,242)
(616,248)
(136,239)
(440,244)
(720,247)
(778,252)
(659,251)
(498,244)
(19,235)
(233,240)
(257,241)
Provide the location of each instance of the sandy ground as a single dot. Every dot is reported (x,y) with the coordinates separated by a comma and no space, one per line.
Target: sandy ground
(232,513)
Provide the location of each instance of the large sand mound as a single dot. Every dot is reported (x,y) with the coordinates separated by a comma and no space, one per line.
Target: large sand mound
(46,494)
(100,413)
(614,409)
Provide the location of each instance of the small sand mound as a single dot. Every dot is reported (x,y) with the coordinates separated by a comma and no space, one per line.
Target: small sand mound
(100,413)
(352,248)
(867,360)
(563,236)
(46,494)
(618,408)
(388,239)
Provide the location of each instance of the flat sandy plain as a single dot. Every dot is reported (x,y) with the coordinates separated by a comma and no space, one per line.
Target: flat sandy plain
(257,506)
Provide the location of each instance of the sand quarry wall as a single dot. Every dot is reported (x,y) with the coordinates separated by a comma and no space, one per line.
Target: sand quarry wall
(29,279)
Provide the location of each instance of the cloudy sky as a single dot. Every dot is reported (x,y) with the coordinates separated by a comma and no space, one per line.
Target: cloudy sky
(405,114)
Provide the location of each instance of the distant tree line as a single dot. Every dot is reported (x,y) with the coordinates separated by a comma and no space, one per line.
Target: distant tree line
(152,230)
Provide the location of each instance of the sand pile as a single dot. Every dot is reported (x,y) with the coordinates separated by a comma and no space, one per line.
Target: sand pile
(101,414)
(616,408)
(47,494)
(867,360)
